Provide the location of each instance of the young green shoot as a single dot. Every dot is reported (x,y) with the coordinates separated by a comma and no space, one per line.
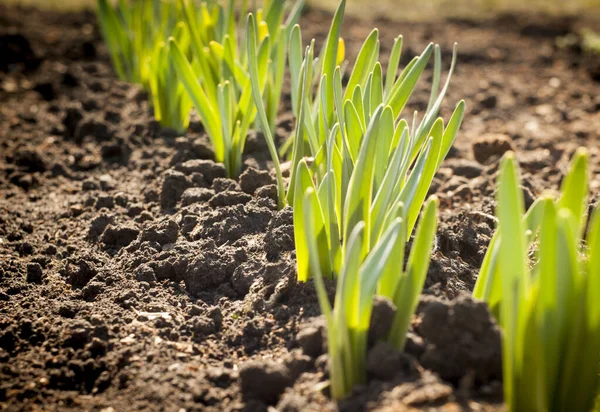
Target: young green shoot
(353,147)
(548,306)
(216,71)
(136,33)
(348,321)
(360,176)
(171,103)
(132,30)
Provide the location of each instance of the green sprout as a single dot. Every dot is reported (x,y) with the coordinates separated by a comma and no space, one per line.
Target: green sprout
(349,320)
(360,176)
(136,33)
(548,309)
(131,30)
(171,102)
(215,71)
(351,146)
(118,24)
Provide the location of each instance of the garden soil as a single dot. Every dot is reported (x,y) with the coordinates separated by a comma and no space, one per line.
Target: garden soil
(135,276)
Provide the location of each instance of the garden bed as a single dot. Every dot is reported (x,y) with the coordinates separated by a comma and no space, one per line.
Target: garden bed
(135,276)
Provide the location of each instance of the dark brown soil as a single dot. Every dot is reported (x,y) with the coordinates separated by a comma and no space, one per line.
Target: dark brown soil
(134,276)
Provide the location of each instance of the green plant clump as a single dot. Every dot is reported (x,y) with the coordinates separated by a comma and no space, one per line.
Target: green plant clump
(215,71)
(171,103)
(136,33)
(349,320)
(549,310)
(131,30)
(365,163)
(187,54)
(360,176)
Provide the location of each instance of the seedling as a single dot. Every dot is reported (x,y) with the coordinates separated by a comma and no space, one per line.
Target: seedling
(132,30)
(352,147)
(136,33)
(172,104)
(349,320)
(216,72)
(548,309)
(359,179)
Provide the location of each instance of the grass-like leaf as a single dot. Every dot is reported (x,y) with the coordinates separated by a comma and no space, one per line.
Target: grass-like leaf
(186,52)
(251,37)
(349,320)
(356,138)
(547,309)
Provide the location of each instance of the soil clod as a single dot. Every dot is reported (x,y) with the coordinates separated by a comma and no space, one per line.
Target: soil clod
(264,381)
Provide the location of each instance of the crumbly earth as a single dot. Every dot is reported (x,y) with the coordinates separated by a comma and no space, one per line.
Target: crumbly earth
(135,276)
